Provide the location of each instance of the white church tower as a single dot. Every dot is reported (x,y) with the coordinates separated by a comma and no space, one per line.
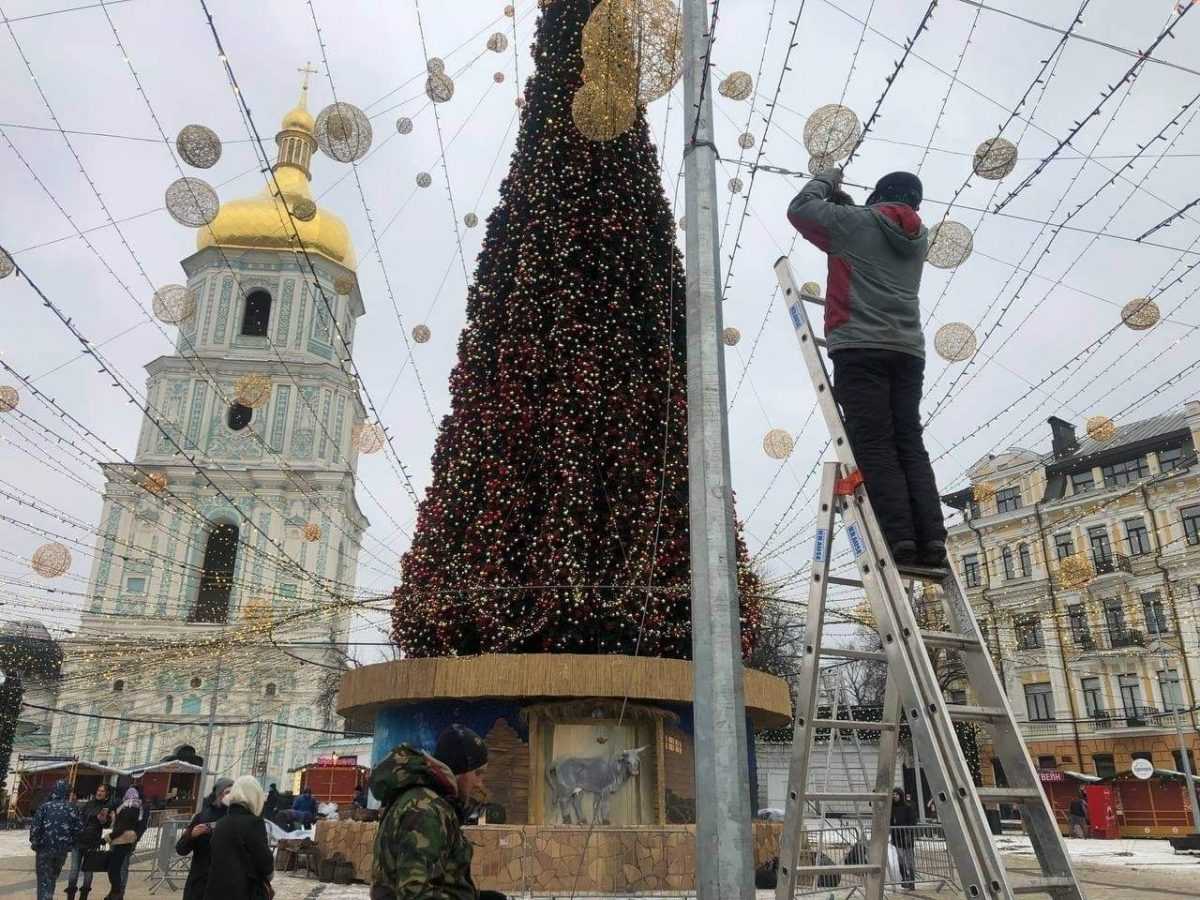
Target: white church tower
(222,588)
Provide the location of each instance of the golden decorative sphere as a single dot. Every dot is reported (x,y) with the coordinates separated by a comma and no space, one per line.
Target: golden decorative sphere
(950,244)
(730,336)
(955,342)
(818,164)
(735,185)
(311,532)
(173,303)
(509,11)
(435,65)
(10,398)
(1074,571)
(7,266)
(746,140)
(778,443)
(404,125)
(343,132)
(602,116)
(811,289)
(1101,429)
(192,202)
(981,493)
(155,482)
(832,131)
(1140,313)
(633,47)
(51,560)
(498,77)
(498,42)
(252,390)
(343,285)
(421,333)
(519,103)
(439,87)
(737,86)
(470,220)
(198,146)
(995,158)
(368,437)
(304,209)
(424,179)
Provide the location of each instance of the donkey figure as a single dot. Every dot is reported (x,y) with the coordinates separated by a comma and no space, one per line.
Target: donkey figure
(571,776)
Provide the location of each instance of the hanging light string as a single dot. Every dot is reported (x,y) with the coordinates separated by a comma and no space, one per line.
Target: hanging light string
(962,55)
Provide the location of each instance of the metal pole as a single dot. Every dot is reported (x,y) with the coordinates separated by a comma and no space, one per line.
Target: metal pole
(212,717)
(725,866)
(1184,762)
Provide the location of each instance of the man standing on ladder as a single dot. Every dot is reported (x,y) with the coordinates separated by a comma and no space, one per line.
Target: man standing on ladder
(873,334)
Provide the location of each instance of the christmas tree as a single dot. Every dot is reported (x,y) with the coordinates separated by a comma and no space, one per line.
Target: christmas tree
(557,520)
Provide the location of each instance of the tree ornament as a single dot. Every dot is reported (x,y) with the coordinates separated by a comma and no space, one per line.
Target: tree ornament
(746,140)
(955,342)
(311,532)
(192,202)
(832,131)
(600,116)
(253,390)
(1140,314)
(421,333)
(1074,571)
(173,303)
(7,266)
(950,244)
(51,560)
(730,336)
(498,77)
(811,289)
(344,132)
(155,483)
(368,437)
(735,185)
(981,493)
(304,209)
(424,179)
(198,146)
(343,285)
(737,86)
(470,220)
(10,398)
(1101,429)
(995,158)
(498,42)
(404,125)
(778,443)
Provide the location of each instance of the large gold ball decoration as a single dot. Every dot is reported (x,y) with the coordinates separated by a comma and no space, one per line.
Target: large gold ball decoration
(10,398)
(981,493)
(344,132)
(173,303)
(155,483)
(439,87)
(424,179)
(51,560)
(832,130)
(778,443)
(311,532)
(198,146)
(955,342)
(498,77)
(509,11)
(7,266)
(421,334)
(470,220)
(995,158)
(404,125)
(192,202)
(818,164)
(1101,429)
(343,285)
(950,244)
(811,289)
(304,209)
(435,65)
(735,185)
(1074,571)
(498,42)
(730,336)
(864,615)
(745,140)
(1140,314)
(602,116)
(368,437)
(253,390)
(737,86)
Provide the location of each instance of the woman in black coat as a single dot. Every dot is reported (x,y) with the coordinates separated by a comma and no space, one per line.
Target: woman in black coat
(196,839)
(241,865)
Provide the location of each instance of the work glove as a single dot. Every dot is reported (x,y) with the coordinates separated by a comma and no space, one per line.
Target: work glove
(833,175)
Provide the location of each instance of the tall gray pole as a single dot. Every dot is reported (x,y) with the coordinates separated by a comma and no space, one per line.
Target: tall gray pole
(725,864)
(1183,757)
(202,790)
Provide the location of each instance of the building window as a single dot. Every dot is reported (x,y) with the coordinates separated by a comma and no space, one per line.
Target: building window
(169,705)
(1191,524)
(1082,482)
(1142,754)
(1137,537)
(1131,693)
(672,744)
(1155,612)
(1047,762)
(270,690)
(1064,545)
(1008,499)
(1126,472)
(1170,689)
(196,682)
(1179,761)
(118,686)
(972,509)
(287,591)
(1106,766)
(1101,548)
(1077,620)
(1114,615)
(971,569)
(1039,700)
(135,585)
(216,578)
(191,705)
(257,314)
(1093,697)
(1029,633)
(1025,559)
(1006,557)
(239,416)
(1169,459)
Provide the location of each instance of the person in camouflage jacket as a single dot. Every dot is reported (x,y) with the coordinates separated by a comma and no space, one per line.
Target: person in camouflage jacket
(421,852)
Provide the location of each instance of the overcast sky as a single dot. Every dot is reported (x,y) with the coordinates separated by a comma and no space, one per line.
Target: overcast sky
(1073,296)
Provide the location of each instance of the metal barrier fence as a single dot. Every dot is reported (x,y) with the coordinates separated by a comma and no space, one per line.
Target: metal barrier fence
(917,857)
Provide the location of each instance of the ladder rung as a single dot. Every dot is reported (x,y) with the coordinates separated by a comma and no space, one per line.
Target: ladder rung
(949,640)
(853,725)
(844,796)
(820,342)
(842,869)
(985,714)
(847,653)
(1008,794)
(1044,885)
(845,582)
(808,298)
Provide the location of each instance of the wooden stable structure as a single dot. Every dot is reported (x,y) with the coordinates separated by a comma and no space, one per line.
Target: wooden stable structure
(37,780)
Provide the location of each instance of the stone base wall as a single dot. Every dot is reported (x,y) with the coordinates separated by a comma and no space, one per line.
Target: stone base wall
(518,858)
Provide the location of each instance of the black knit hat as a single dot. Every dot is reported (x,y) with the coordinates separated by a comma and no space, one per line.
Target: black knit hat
(898,187)
(461,749)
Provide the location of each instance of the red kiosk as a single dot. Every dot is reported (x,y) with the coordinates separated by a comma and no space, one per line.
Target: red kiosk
(333,779)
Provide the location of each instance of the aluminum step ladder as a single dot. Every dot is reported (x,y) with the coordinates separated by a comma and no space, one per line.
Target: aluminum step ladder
(912,696)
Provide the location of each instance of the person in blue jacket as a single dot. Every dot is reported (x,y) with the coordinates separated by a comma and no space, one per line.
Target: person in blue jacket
(52,835)
(305,807)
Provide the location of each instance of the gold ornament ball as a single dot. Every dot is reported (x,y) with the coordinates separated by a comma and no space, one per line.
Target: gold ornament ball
(633,45)
(198,146)
(603,116)
(735,185)
(737,86)
(995,158)
(955,342)
(344,132)
(746,140)
(1140,314)
(7,266)
(51,560)
(498,78)
(304,209)
(253,390)
(368,437)
(1074,571)
(509,11)
(950,244)
(981,493)
(498,42)
(192,202)
(404,125)
(683,223)
(832,131)
(439,87)
(730,336)
(1101,429)
(778,443)
(10,398)
(155,482)
(435,66)
(470,220)
(421,333)
(343,285)
(811,289)
(173,303)
(519,103)
(312,532)
(424,179)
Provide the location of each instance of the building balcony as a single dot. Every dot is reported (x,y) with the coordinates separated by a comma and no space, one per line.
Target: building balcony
(1109,639)
(1119,639)
(1129,717)
(1110,569)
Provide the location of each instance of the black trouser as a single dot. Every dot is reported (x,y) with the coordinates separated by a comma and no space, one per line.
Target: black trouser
(880,395)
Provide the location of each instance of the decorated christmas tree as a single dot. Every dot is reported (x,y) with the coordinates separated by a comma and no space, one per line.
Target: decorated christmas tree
(557,520)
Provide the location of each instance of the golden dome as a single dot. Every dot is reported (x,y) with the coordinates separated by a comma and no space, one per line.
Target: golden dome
(299,119)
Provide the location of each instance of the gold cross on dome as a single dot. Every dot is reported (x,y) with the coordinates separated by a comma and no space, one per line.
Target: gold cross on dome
(307,69)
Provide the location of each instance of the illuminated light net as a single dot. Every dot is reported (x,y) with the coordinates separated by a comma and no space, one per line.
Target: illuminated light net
(344,132)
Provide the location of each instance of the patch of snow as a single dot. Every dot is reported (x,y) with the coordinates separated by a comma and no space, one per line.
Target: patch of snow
(1121,853)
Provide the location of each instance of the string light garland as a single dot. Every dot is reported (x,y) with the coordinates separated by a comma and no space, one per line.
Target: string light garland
(192,202)
(198,146)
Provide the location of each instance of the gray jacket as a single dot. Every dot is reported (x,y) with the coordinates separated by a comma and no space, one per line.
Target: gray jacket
(876,256)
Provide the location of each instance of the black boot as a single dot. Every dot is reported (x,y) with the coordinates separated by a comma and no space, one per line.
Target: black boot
(933,555)
(83,893)
(71,892)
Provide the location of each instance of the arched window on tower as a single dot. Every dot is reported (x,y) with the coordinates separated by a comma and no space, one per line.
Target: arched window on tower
(257,314)
(216,579)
